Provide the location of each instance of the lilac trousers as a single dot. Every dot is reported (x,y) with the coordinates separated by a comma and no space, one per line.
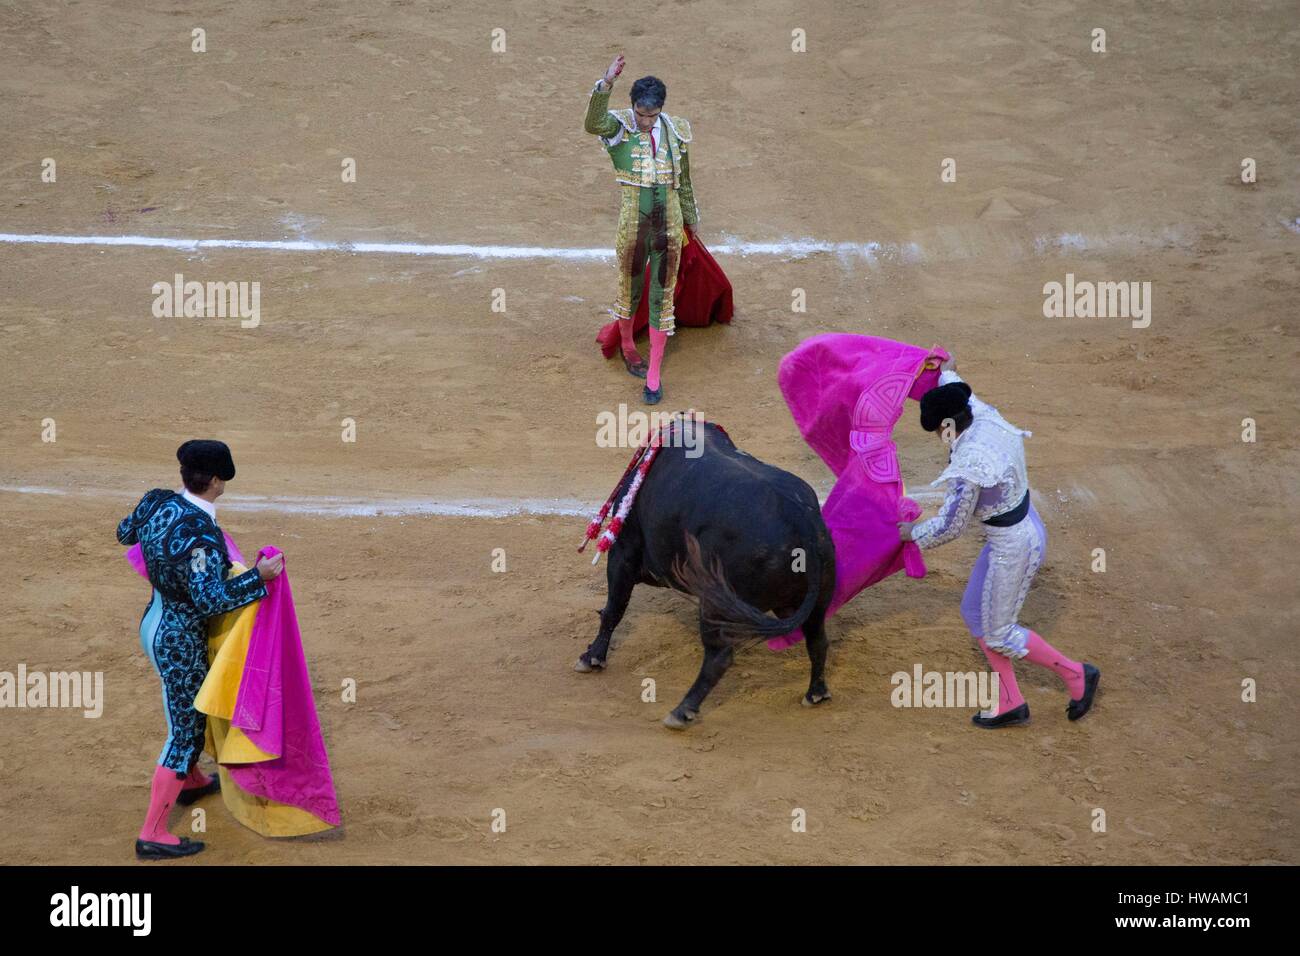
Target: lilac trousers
(1000,581)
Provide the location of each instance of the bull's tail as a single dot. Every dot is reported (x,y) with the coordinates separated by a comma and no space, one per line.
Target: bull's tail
(723,608)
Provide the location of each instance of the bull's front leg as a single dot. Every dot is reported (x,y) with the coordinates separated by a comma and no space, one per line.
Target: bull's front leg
(621,574)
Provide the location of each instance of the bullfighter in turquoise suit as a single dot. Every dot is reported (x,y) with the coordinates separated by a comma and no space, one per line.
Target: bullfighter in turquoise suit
(187,561)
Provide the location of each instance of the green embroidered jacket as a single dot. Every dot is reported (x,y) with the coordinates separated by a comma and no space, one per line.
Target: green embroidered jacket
(629,150)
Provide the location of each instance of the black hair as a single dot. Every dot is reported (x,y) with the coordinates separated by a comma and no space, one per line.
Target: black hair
(963,420)
(196,482)
(650,92)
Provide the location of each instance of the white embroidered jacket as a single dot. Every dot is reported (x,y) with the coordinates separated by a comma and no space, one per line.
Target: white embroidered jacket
(986,474)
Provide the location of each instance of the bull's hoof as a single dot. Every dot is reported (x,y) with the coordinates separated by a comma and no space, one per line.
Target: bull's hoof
(586,664)
(680,719)
(812,700)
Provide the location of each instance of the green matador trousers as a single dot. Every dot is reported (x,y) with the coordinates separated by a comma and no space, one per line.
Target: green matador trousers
(649,230)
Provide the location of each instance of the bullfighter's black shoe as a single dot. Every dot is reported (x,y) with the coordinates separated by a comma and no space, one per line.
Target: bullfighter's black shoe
(653,397)
(194,794)
(1091,678)
(1011,718)
(148,850)
(638,368)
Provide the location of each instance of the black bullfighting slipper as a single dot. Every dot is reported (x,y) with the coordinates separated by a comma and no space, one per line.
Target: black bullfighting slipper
(1091,678)
(194,794)
(639,368)
(1011,718)
(148,850)
(653,397)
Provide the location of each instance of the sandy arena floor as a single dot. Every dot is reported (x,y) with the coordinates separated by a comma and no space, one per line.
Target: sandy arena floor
(1123,166)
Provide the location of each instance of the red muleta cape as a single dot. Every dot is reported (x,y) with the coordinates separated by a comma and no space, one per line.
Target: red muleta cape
(702,295)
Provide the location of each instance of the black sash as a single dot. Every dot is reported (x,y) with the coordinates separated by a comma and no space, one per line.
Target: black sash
(1012,517)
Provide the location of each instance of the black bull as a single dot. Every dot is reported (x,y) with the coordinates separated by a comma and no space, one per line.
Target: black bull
(741,536)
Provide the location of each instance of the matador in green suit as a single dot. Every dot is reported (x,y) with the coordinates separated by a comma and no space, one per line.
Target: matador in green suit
(650,152)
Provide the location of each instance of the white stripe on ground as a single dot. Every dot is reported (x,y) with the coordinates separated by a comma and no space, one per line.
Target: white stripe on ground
(867,250)
(336,507)
(311,245)
(872,252)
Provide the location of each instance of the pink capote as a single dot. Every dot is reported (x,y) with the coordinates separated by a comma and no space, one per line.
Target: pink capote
(275,708)
(846,392)
(276,711)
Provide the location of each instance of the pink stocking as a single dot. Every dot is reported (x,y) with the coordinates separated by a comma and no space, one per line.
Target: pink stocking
(1009,696)
(162,797)
(657,342)
(1045,655)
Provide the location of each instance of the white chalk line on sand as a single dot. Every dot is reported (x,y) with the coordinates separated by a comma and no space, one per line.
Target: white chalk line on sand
(795,248)
(871,252)
(343,507)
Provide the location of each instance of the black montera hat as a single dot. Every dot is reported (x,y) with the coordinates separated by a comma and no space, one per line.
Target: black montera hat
(944,402)
(207,457)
